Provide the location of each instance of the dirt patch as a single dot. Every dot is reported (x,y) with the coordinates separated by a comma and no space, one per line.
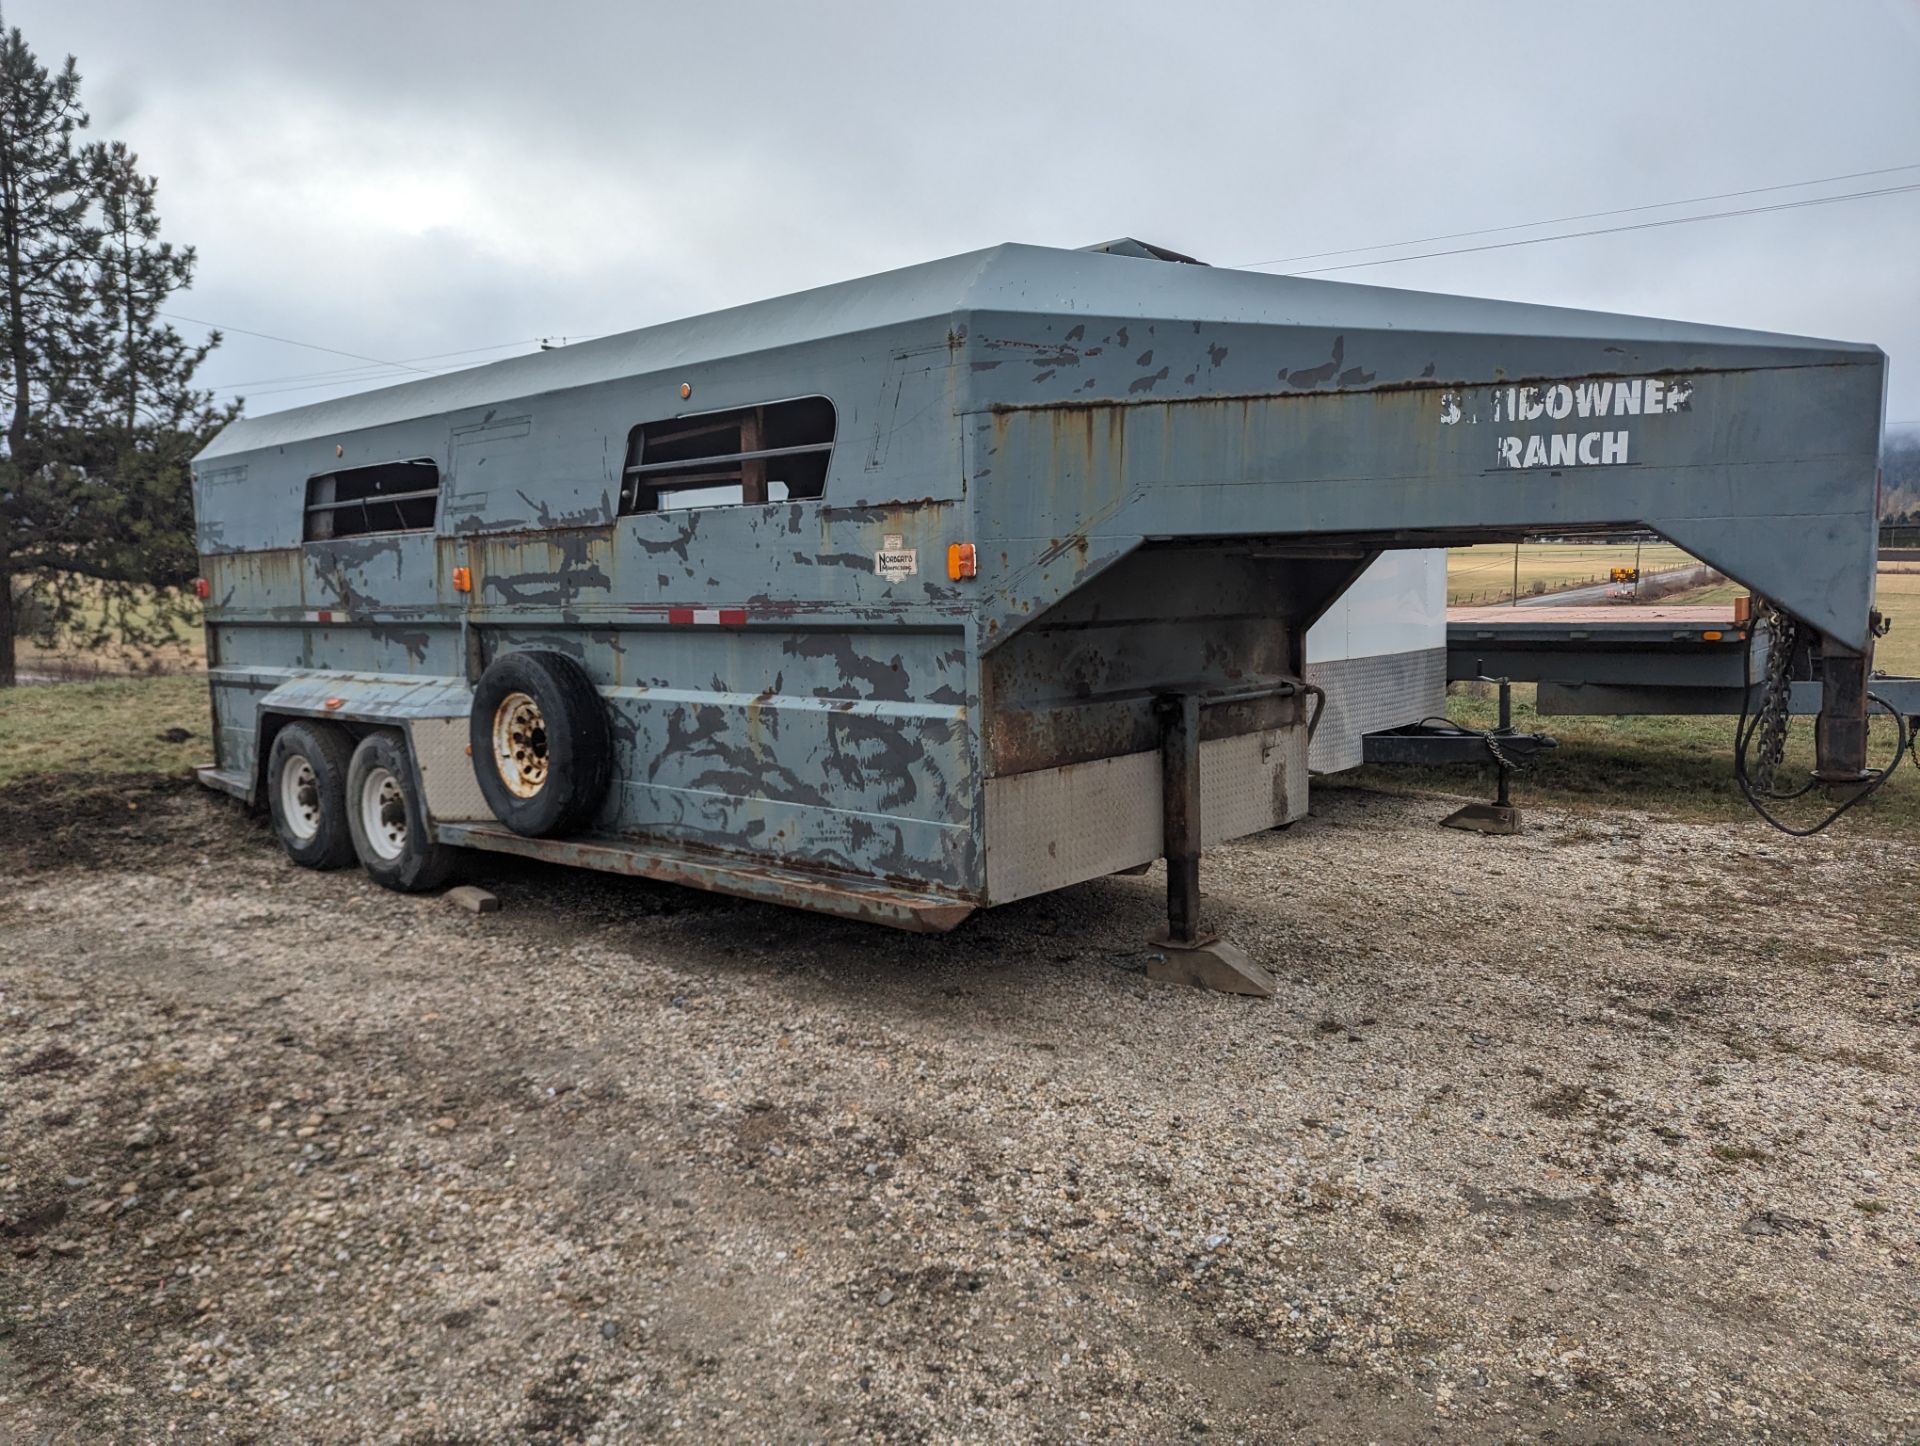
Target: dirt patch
(73,820)
(284,1156)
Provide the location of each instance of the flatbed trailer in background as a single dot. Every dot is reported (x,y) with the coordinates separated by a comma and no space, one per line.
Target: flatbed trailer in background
(1633,659)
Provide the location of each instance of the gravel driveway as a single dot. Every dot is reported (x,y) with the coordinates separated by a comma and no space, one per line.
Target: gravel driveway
(1607,1132)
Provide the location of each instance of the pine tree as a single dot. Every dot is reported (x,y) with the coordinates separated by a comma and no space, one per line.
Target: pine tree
(97,391)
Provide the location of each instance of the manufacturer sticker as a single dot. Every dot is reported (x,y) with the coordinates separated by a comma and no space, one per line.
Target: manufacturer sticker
(895,563)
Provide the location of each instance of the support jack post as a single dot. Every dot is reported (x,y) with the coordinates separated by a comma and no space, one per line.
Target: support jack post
(1500,816)
(1188,954)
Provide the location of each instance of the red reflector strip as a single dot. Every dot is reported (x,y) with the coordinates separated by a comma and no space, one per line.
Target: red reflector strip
(729,617)
(326,616)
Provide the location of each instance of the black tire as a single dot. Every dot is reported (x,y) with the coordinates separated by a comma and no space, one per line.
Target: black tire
(547,777)
(307,794)
(388,819)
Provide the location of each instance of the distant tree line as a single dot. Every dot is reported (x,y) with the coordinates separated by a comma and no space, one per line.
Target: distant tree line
(100,411)
(1900,478)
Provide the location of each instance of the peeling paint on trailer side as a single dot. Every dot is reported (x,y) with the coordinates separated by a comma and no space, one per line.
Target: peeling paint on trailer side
(1167,473)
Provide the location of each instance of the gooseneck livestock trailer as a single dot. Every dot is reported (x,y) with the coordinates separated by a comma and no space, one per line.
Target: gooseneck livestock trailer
(945,587)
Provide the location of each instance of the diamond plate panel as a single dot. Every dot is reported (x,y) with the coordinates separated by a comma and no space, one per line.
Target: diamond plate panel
(1365,695)
(446,771)
(1247,783)
(1058,826)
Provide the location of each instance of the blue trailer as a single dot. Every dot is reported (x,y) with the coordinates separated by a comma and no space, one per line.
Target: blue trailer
(950,586)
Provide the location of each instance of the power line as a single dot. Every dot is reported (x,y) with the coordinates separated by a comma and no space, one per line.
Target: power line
(289,341)
(353,371)
(1583,216)
(1614,230)
(348,376)
(351,383)
(356,376)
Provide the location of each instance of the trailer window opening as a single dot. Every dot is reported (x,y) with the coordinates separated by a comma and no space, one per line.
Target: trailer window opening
(387,497)
(777,452)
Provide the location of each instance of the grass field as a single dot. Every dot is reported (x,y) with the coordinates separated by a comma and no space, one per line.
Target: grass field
(1486,574)
(181,648)
(103,730)
(1720,594)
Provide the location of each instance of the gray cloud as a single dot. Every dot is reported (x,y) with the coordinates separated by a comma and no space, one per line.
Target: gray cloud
(401,179)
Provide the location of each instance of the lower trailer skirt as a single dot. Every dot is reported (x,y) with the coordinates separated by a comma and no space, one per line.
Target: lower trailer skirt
(1053,827)
(871,900)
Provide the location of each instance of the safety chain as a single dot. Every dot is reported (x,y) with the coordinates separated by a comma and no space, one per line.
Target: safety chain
(1500,755)
(1776,692)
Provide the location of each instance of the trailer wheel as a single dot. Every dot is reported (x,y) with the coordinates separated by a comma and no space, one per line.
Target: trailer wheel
(388,819)
(307,794)
(541,748)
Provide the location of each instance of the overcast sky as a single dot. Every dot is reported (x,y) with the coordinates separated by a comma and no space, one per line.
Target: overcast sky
(405,179)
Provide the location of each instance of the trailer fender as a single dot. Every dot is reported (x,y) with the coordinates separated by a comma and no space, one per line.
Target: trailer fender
(431,712)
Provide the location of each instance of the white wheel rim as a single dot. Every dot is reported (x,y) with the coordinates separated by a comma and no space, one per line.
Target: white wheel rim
(520,744)
(300,797)
(383,813)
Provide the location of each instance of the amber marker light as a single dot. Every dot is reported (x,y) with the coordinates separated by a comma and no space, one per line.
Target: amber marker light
(333,703)
(686,390)
(960,561)
(463,579)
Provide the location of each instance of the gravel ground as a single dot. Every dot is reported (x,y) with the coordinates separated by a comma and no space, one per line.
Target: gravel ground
(1607,1132)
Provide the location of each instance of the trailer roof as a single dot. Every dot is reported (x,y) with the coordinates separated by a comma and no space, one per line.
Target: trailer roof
(1105,282)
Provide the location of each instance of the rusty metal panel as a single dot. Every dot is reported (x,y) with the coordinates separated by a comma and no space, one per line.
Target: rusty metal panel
(1751,471)
(865,786)
(851,897)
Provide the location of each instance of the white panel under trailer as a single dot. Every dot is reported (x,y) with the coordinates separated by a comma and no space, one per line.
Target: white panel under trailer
(1380,652)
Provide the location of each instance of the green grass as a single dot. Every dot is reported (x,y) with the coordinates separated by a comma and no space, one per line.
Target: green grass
(103,729)
(1898,596)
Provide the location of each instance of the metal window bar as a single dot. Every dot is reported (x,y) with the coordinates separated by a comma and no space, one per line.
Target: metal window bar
(759,454)
(367,526)
(376,497)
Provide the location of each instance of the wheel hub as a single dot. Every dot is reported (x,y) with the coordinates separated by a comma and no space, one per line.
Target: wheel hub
(300,797)
(520,744)
(383,813)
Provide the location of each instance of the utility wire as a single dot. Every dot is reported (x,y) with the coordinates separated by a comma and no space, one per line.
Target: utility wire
(1615,230)
(289,341)
(1582,216)
(350,371)
(353,380)
(350,376)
